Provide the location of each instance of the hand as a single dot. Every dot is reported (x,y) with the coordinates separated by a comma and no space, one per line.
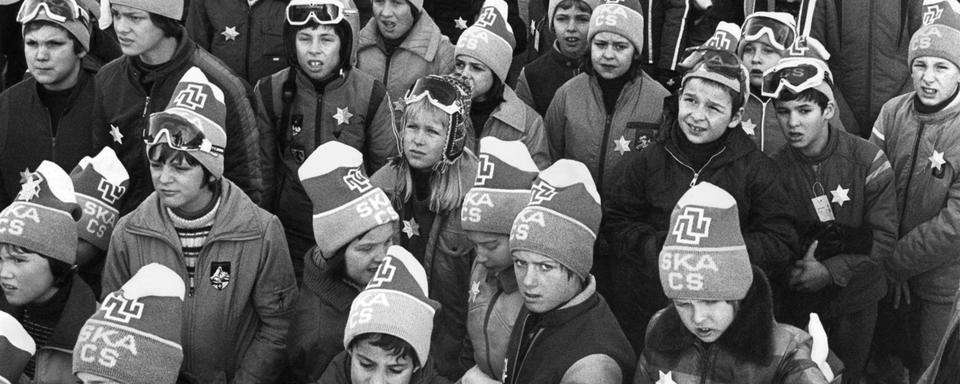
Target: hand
(703,4)
(476,376)
(901,292)
(810,275)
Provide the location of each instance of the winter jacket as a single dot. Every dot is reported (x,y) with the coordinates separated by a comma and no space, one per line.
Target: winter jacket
(760,122)
(424,52)
(447,261)
(857,177)
(924,150)
(579,342)
(25,123)
(945,367)
(754,349)
(122,102)
(547,73)
(54,361)
(316,331)
(312,122)
(249,39)
(679,25)
(513,120)
(338,372)
(235,332)
(494,304)
(581,129)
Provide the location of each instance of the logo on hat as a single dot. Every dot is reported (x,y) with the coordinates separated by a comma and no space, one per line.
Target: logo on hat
(799,47)
(487,18)
(932,14)
(31,187)
(220,277)
(121,310)
(384,274)
(720,41)
(192,97)
(541,191)
(109,192)
(485,169)
(691,226)
(356,181)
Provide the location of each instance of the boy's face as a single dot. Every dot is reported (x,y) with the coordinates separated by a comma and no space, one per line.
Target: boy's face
(611,54)
(50,57)
(394,17)
(805,125)
(543,282)
(705,111)
(493,250)
(370,364)
(707,320)
(364,254)
(480,75)
(180,185)
(318,51)
(25,276)
(758,56)
(137,34)
(934,78)
(571,26)
(423,139)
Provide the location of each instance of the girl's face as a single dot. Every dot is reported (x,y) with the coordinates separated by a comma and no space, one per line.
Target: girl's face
(180,185)
(612,54)
(364,254)
(493,250)
(370,364)
(394,17)
(480,75)
(707,320)
(759,56)
(25,276)
(423,139)
(318,51)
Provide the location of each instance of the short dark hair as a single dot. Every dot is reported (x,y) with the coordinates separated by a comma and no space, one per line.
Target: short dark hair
(809,94)
(394,346)
(37,24)
(170,27)
(163,153)
(61,271)
(567,4)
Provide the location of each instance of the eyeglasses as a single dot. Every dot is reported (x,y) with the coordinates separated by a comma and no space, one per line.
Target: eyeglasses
(178,133)
(323,12)
(56,10)
(797,75)
(781,35)
(438,92)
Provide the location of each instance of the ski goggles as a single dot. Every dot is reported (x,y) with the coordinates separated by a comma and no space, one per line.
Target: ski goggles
(60,11)
(178,133)
(438,92)
(780,34)
(796,75)
(323,12)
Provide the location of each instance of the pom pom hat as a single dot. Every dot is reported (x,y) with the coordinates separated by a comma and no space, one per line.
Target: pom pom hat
(716,61)
(99,183)
(16,348)
(622,17)
(502,188)
(43,217)
(940,34)
(490,39)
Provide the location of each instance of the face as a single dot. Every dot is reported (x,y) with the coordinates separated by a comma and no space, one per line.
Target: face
(481,77)
(50,57)
(758,57)
(89,378)
(493,250)
(571,26)
(705,111)
(370,364)
(935,79)
(318,51)
(423,140)
(394,17)
(25,276)
(611,54)
(543,282)
(707,320)
(365,253)
(805,125)
(137,34)
(179,185)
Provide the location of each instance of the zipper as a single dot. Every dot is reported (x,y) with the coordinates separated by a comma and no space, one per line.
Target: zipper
(763,125)
(518,368)
(486,324)
(146,106)
(386,69)
(913,166)
(696,173)
(603,150)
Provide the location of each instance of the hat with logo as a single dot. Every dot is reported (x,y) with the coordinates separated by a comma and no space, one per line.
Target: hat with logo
(716,61)
(43,217)
(505,172)
(936,40)
(16,347)
(99,183)
(490,39)
(704,256)
(345,204)
(66,14)
(395,302)
(168,8)
(623,17)
(561,218)
(134,337)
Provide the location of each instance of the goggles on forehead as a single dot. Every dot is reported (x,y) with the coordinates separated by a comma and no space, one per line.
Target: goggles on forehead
(779,34)
(722,62)
(440,93)
(178,133)
(323,12)
(56,10)
(797,75)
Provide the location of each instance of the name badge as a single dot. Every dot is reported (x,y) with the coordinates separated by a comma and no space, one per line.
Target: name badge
(822,205)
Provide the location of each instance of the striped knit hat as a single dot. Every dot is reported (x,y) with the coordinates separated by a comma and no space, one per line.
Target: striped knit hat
(490,39)
(99,182)
(43,218)
(16,347)
(622,17)
(502,189)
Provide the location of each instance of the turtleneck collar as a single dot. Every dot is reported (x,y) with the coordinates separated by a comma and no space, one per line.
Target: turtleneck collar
(611,88)
(698,154)
(931,109)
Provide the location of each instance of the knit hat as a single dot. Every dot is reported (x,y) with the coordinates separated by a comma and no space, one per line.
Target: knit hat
(168,8)
(704,256)
(561,218)
(16,347)
(345,204)
(134,337)
(715,61)
(782,28)
(809,47)
(623,17)
(946,12)
(395,302)
(435,89)
(198,104)
(79,27)
(725,38)
(502,189)
(43,217)
(99,183)
(490,39)
(552,8)
(937,40)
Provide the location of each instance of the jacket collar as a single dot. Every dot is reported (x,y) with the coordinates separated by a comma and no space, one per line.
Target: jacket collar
(578,305)
(80,306)
(832,142)
(181,56)
(737,144)
(563,60)
(511,111)
(306,84)
(949,112)
(423,40)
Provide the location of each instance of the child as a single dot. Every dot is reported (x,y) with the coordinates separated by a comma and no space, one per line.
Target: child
(387,337)
(232,254)
(426,185)
(495,109)
(353,224)
(843,191)
(719,326)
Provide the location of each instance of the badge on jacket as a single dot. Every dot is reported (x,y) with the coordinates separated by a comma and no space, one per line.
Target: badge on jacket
(220,277)
(296,124)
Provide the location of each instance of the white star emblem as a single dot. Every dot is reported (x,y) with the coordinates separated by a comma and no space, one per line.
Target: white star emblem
(670,82)
(460,22)
(936,160)
(398,105)
(666,378)
(343,115)
(30,188)
(474,291)
(115,132)
(25,175)
(623,145)
(229,33)
(749,127)
(840,195)
(411,228)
